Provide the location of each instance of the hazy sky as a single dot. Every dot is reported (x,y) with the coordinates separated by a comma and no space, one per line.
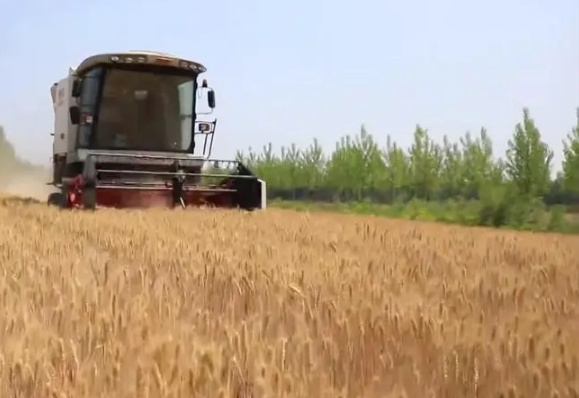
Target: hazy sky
(288,71)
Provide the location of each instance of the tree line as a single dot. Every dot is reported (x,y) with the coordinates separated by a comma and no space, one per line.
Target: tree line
(360,169)
(475,184)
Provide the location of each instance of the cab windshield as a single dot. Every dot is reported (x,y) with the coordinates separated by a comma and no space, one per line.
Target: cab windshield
(142,110)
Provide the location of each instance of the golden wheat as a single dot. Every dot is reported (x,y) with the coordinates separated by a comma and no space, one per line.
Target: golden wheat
(203,303)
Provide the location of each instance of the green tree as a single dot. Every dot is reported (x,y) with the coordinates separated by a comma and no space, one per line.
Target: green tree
(528,160)
(427,169)
(292,171)
(342,169)
(314,164)
(249,159)
(452,170)
(397,168)
(478,162)
(267,165)
(571,159)
(369,160)
(355,164)
(425,164)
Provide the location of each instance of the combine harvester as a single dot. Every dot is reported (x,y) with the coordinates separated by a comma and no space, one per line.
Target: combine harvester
(126,132)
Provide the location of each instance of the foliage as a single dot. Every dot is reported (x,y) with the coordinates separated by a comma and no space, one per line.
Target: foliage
(515,189)
(571,159)
(528,164)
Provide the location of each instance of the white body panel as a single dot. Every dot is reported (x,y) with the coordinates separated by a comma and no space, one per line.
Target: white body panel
(263,194)
(63,139)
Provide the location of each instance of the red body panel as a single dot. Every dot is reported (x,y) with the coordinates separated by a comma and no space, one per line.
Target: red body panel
(151,197)
(124,198)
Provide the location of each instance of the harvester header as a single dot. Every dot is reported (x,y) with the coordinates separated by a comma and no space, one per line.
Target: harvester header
(129,133)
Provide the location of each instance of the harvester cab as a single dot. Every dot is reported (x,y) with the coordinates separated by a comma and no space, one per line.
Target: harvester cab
(128,133)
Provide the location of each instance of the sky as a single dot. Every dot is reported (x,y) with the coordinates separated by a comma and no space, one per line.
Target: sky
(291,71)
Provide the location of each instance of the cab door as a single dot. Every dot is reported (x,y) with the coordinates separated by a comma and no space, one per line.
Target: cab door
(88,104)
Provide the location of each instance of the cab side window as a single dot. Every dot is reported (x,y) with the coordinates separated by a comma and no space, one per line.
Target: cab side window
(88,103)
(186,93)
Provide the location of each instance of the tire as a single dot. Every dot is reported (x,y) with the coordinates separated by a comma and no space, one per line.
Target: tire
(89,198)
(56,199)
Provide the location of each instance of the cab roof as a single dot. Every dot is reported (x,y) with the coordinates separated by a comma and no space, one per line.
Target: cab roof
(152,57)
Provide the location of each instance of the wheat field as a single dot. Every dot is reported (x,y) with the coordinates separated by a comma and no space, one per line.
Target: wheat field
(206,303)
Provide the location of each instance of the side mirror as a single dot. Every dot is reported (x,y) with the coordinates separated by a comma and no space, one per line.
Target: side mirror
(76,86)
(211,99)
(74,114)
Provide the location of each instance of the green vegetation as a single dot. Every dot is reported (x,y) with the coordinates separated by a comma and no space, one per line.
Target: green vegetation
(461,182)
(472,213)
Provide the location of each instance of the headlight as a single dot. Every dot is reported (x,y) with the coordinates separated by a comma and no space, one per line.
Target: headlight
(204,127)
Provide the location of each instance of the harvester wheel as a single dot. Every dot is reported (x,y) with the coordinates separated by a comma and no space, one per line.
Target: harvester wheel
(56,199)
(60,199)
(89,198)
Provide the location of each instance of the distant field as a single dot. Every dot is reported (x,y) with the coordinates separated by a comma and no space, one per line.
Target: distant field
(203,303)
(553,219)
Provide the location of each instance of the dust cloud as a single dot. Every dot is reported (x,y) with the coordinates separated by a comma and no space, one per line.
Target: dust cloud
(30,184)
(19,177)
